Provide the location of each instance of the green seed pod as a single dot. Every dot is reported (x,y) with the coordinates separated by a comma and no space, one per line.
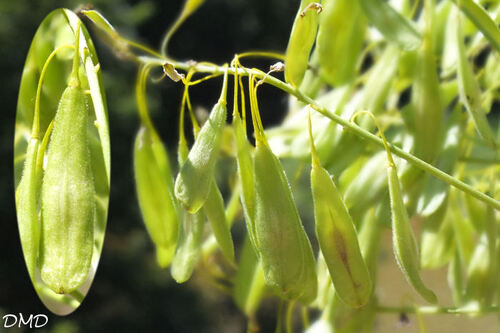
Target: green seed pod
(470,92)
(395,27)
(426,100)
(193,182)
(27,208)
(155,192)
(404,243)
(188,246)
(249,285)
(214,210)
(62,181)
(67,197)
(340,39)
(380,80)
(337,238)
(301,41)
(285,252)
(479,16)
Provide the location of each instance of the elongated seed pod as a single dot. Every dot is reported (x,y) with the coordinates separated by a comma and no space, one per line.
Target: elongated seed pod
(67,197)
(155,192)
(340,39)
(404,243)
(27,207)
(338,241)
(426,99)
(301,41)
(193,182)
(395,27)
(337,237)
(285,252)
(189,246)
(482,20)
(214,210)
(470,92)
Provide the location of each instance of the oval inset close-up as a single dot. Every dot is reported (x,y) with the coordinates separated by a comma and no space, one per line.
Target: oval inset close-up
(61,162)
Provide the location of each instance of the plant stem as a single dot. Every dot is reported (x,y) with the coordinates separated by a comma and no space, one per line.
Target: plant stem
(438,310)
(347,125)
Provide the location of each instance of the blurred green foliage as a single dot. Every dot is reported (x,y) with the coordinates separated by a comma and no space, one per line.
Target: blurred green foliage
(130,293)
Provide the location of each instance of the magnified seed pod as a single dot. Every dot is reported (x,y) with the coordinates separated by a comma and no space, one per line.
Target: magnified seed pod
(155,192)
(337,238)
(67,194)
(27,207)
(193,182)
(61,162)
(301,41)
(285,252)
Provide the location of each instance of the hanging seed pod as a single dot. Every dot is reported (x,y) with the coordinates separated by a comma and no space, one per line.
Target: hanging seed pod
(188,246)
(470,92)
(67,194)
(301,41)
(426,99)
(340,39)
(155,192)
(337,237)
(285,252)
(214,210)
(193,182)
(404,243)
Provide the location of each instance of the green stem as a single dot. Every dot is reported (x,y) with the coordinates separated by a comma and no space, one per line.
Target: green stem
(204,68)
(437,310)
(353,127)
(35,132)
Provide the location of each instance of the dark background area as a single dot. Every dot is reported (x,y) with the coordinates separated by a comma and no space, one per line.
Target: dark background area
(130,293)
